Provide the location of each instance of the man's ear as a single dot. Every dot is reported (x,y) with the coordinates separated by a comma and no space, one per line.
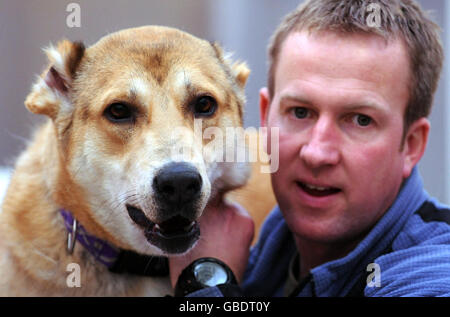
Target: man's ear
(49,94)
(264,106)
(414,145)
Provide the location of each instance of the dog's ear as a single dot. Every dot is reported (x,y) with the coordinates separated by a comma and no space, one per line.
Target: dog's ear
(239,69)
(49,94)
(241,72)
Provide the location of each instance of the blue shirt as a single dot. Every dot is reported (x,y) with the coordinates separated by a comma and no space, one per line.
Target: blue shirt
(412,253)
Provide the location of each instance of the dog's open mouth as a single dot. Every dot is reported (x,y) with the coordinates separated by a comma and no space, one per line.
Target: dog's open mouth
(175,235)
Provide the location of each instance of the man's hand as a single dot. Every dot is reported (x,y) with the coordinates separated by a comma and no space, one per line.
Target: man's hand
(226,232)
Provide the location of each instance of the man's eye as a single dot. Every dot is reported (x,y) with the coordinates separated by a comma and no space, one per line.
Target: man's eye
(300,112)
(362,120)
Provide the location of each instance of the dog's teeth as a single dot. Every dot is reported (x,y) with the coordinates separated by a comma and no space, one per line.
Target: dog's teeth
(189,226)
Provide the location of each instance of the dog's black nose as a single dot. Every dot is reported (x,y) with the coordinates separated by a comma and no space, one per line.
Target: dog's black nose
(177,184)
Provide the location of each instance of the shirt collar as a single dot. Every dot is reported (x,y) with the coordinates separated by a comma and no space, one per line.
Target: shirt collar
(336,277)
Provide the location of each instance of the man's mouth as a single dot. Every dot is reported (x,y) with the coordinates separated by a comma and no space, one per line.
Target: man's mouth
(175,235)
(318,191)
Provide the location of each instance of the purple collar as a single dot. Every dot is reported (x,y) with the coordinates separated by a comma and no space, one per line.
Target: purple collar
(102,251)
(115,259)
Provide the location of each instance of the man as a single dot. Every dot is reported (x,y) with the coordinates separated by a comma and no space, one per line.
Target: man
(350,86)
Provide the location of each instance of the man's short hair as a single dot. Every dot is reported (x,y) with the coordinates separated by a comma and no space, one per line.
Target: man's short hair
(396,19)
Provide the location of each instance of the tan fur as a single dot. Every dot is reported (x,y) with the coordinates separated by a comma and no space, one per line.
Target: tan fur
(256,196)
(81,162)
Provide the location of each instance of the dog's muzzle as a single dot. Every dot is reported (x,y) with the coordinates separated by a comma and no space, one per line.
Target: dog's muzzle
(177,191)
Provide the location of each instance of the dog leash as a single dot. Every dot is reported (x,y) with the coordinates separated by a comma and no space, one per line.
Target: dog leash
(115,259)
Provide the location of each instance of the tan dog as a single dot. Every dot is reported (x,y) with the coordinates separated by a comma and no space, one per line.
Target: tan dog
(111,163)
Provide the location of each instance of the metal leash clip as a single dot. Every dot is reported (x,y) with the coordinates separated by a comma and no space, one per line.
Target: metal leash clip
(72,237)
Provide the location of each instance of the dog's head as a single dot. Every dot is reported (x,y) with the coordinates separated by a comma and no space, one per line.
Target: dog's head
(130,115)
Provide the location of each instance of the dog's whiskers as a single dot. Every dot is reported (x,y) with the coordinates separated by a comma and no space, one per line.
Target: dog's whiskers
(118,204)
(43,255)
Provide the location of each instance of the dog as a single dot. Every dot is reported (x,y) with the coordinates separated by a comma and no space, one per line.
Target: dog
(117,177)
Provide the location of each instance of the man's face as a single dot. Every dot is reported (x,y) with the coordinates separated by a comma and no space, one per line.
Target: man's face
(338,102)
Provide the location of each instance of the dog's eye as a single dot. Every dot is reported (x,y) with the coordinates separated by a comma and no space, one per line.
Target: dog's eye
(118,113)
(204,106)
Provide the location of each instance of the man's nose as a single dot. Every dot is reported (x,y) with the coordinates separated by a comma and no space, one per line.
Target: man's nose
(322,149)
